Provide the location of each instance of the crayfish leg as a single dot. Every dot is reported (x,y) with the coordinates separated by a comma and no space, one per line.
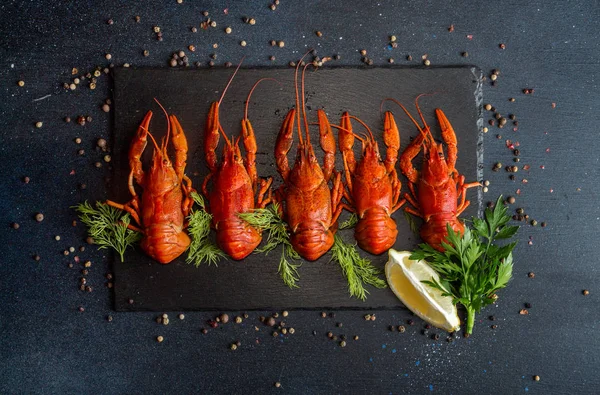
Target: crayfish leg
(391,138)
(181,147)
(327,142)
(449,137)
(284,144)
(249,141)
(136,150)
(132,211)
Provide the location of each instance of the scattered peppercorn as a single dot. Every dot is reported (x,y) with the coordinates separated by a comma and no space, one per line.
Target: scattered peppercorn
(536,378)
(277,384)
(524,312)
(270,321)
(411,322)
(401,329)
(238,320)
(502,46)
(39,217)
(585,292)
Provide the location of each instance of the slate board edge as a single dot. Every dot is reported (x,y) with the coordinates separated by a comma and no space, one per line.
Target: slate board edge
(477,73)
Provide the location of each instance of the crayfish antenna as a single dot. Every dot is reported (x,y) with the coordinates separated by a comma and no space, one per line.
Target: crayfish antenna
(156,147)
(356,136)
(230,80)
(364,125)
(419,108)
(423,130)
(304,105)
(298,96)
(252,90)
(227,141)
(165,142)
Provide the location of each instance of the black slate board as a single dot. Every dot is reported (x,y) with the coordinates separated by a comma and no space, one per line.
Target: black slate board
(254,283)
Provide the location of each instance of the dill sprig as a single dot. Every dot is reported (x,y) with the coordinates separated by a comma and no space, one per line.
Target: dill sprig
(412,223)
(107,225)
(472,268)
(201,249)
(350,222)
(358,270)
(268,219)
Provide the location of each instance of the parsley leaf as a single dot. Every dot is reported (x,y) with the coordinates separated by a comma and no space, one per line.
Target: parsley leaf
(472,267)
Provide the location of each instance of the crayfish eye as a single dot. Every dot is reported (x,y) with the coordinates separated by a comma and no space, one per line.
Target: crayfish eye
(165,162)
(441,154)
(427,156)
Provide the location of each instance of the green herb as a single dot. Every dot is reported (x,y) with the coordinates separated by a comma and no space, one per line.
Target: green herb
(411,222)
(358,270)
(201,249)
(268,219)
(350,222)
(107,225)
(472,268)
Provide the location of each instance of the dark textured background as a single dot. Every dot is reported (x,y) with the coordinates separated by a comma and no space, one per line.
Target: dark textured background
(48,346)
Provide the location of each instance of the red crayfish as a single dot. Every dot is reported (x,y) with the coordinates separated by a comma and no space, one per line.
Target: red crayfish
(310,207)
(373,187)
(165,201)
(439,186)
(234,184)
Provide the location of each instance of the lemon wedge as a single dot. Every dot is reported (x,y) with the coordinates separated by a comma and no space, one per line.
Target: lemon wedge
(404,277)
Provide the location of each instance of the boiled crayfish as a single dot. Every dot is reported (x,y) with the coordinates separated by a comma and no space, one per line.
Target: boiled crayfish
(310,208)
(234,184)
(439,186)
(165,202)
(372,185)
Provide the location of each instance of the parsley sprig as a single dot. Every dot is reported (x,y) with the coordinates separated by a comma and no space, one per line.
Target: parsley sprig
(473,268)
